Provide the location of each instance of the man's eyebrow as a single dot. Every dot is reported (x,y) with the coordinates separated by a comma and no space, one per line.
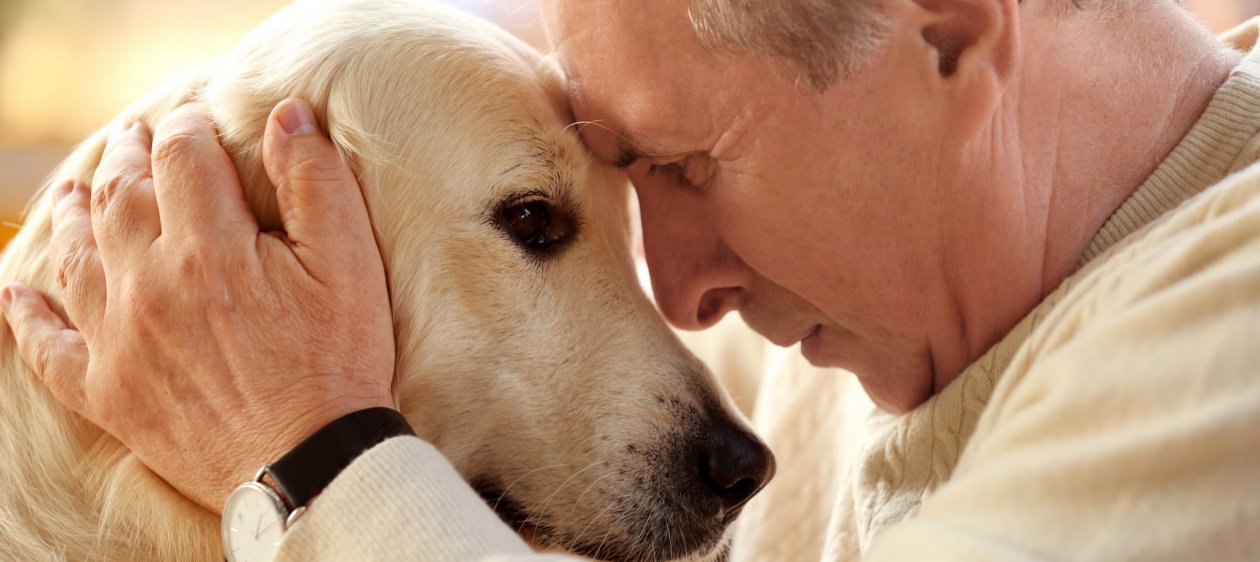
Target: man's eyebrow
(628,151)
(627,154)
(631,148)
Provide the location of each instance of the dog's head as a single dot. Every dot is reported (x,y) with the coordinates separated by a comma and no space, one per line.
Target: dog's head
(527,353)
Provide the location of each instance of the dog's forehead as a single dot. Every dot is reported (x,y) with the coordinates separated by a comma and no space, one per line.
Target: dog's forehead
(494,87)
(423,100)
(513,123)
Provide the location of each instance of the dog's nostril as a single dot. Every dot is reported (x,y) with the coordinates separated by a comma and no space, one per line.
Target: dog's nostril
(734,465)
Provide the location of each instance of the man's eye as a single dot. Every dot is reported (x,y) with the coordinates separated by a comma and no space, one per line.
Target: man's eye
(693,171)
(673,170)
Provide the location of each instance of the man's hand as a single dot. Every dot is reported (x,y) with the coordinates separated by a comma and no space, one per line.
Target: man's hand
(207,347)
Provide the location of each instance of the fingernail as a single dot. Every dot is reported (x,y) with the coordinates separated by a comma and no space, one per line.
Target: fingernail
(296,118)
(63,189)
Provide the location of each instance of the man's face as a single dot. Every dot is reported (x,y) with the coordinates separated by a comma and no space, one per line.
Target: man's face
(813,214)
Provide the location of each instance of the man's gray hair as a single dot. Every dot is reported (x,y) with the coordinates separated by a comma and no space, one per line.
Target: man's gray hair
(822,40)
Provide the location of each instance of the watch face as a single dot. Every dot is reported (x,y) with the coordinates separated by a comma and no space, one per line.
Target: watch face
(253,522)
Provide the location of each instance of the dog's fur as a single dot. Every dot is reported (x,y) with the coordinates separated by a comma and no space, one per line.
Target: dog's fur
(548,380)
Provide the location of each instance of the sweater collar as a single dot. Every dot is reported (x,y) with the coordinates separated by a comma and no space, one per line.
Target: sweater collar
(1225,139)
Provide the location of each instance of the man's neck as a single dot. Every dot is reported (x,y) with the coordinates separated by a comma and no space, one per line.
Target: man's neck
(1097,103)
(1138,96)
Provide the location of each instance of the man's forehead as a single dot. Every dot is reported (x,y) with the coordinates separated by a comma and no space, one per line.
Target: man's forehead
(631,81)
(563,18)
(615,25)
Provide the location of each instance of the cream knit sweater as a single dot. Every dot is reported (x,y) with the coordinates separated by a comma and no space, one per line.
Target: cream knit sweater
(1120,420)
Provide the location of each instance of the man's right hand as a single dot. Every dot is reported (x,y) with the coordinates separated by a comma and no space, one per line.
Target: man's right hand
(207,347)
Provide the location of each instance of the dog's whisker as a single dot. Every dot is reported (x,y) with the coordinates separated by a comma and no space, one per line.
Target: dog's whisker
(589,487)
(640,542)
(669,536)
(592,522)
(518,479)
(604,540)
(575,124)
(597,123)
(546,504)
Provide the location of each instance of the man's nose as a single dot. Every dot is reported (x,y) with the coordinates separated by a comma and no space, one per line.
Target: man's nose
(696,278)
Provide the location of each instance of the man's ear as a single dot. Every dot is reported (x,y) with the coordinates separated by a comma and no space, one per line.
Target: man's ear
(977,48)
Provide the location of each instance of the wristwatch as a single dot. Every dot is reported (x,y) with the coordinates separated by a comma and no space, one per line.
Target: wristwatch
(257,513)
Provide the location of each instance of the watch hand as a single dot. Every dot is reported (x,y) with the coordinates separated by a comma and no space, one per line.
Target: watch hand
(269,525)
(256,531)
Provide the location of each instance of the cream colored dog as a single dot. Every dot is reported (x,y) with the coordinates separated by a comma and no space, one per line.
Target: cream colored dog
(526,351)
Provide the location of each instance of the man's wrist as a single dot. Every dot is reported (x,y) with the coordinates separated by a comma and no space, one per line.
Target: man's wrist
(302,421)
(280,491)
(304,471)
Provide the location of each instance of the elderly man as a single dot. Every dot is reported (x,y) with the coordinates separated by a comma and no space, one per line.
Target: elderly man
(1032,228)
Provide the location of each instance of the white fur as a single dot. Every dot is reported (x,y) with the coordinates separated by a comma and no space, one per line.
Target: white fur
(536,376)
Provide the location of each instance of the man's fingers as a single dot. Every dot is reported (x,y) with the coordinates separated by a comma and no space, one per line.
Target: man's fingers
(319,198)
(57,354)
(73,252)
(198,189)
(123,208)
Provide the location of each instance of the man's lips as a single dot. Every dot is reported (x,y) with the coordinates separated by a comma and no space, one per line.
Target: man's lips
(802,337)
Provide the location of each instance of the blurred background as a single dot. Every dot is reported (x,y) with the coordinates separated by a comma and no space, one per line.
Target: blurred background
(68,66)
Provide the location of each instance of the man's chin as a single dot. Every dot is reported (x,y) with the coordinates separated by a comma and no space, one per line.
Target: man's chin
(817,352)
(895,387)
(896,394)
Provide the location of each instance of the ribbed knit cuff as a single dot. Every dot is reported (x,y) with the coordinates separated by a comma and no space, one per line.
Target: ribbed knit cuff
(401,500)
(1208,153)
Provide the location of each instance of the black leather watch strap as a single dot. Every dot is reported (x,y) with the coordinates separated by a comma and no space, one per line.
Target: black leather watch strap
(312,464)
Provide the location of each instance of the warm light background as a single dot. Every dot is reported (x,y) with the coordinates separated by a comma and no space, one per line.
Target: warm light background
(68,66)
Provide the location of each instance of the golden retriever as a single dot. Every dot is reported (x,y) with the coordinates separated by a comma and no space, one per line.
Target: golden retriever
(527,352)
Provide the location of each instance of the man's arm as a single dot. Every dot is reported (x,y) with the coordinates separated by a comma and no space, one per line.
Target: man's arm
(241,343)
(403,501)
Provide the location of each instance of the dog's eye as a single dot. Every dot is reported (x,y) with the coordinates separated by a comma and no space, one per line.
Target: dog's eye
(534,224)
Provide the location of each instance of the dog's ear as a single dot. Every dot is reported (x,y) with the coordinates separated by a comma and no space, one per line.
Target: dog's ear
(82,162)
(241,102)
(240,118)
(240,114)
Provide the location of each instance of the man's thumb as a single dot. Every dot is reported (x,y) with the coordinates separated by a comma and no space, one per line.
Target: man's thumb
(320,203)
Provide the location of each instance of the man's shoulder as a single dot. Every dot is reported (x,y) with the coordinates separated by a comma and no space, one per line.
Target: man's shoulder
(1216,230)
(1175,305)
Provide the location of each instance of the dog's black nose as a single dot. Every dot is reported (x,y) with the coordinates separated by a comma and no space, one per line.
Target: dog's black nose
(734,465)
